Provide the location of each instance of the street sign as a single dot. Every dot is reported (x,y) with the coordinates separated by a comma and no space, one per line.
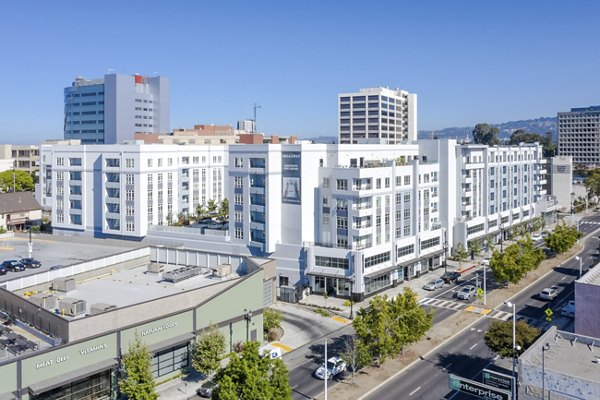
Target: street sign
(498,380)
(477,389)
(549,314)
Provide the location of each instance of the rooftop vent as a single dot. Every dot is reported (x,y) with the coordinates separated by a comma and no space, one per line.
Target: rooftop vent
(72,307)
(180,274)
(44,300)
(222,270)
(64,284)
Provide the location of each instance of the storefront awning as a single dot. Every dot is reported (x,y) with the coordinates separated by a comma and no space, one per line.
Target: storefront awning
(58,381)
(174,341)
(327,272)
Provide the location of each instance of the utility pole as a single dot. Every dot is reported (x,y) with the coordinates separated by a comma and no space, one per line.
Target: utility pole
(326,371)
(256,106)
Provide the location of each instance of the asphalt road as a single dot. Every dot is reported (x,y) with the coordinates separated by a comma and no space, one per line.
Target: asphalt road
(466,354)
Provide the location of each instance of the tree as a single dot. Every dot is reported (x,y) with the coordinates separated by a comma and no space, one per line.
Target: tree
(271,320)
(486,134)
(387,326)
(23,182)
(212,206)
(208,350)
(475,247)
(353,355)
(562,238)
(201,212)
(138,383)
(499,337)
(592,182)
(223,210)
(460,253)
(248,376)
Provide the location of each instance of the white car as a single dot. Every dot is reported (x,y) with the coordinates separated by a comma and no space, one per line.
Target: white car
(335,366)
(569,309)
(467,292)
(434,284)
(548,294)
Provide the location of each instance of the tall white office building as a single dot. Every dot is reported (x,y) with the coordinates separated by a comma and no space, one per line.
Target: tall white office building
(377,116)
(112,109)
(120,190)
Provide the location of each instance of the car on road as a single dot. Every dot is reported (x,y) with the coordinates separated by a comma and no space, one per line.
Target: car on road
(467,292)
(548,294)
(31,263)
(206,389)
(434,284)
(569,309)
(13,266)
(451,277)
(333,367)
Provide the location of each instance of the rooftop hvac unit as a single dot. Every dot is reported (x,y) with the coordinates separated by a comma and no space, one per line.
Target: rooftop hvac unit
(44,300)
(222,270)
(64,284)
(72,307)
(101,307)
(180,274)
(155,268)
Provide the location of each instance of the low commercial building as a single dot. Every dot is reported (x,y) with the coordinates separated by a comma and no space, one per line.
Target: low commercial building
(18,209)
(587,312)
(64,331)
(560,366)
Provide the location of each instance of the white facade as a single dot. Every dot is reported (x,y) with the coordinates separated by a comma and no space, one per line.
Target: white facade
(562,181)
(119,190)
(377,116)
(112,109)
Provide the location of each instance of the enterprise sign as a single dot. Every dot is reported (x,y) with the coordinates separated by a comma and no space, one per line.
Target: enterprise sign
(477,389)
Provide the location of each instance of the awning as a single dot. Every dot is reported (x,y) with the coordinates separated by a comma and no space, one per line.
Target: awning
(7,396)
(80,373)
(165,344)
(329,274)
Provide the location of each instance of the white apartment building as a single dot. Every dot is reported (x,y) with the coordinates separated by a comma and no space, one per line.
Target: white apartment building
(377,116)
(338,219)
(579,135)
(112,109)
(119,190)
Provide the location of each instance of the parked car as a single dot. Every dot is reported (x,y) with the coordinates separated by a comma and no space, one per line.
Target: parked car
(548,294)
(467,292)
(536,237)
(13,265)
(569,309)
(206,389)
(335,366)
(451,277)
(31,263)
(2,270)
(434,284)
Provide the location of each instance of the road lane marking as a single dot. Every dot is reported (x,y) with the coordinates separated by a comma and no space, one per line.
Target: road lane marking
(472,347)
(415,391)
(282,346)
(447,366)
(497,356)
(563,278)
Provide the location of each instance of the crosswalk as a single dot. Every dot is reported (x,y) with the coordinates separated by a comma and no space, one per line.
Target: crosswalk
(453,305)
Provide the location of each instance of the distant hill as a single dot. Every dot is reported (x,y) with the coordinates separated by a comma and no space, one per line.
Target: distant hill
(538,125)
(323,139)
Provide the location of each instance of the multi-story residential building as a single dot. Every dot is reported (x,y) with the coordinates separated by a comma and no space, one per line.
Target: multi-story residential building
(119,190)
(579,135)
(378,115)
(25,156)
(487,190)
(338,219)
(112,109)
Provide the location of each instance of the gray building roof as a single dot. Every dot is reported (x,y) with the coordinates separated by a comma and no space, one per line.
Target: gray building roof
(16,202)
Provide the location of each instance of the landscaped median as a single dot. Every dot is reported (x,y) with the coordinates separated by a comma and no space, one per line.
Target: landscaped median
(371,377)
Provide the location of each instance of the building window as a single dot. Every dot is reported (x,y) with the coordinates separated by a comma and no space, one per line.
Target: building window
(377,259)
(60,161)
(129,179)
(150,163)
(238,162)
(239,233)
(325,183)
(170,360)
(238,182)
(239,216)
(75,161)
(342,223)
(407,179)
(406,250)
(425,244)
(129,226)
(130,195)
(342,184)
(129,163)
(332,262)
(238,199)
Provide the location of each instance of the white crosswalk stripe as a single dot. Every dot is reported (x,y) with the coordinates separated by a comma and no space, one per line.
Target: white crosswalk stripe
(442,303)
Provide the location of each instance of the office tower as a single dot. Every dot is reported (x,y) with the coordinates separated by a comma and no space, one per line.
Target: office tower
(579,135)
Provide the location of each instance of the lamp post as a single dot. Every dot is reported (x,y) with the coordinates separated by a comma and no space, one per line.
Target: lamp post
(445,253)
(326,370)
(501,238)
(514,332)
(545,348)
(580,259)
(248,318)
(28,225)
(351,299)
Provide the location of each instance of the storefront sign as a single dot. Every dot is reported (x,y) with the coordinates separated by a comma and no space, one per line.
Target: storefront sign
(158,328)
(498,380)
(65,357)
(477,389)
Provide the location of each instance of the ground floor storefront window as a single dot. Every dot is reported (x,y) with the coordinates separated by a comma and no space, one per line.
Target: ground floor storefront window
(376,283)
(95,387)
(332,286)
(169,360)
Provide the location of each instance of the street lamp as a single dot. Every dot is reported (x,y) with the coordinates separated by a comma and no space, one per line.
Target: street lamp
(445,253)
(501,237)
(545,348)
(580,259)
(351,299)
(514,332)
(248,318)
(28,225)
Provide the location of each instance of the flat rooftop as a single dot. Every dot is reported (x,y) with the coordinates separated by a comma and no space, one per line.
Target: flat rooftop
(136,285)
(592,277)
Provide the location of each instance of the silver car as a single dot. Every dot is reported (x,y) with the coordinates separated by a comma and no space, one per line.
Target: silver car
(467,292)
(434,284)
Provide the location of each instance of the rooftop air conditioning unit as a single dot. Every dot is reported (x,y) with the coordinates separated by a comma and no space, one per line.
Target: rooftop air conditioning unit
(64,284)
(222,270)
(155,268)
(44,300)
(72,307)
(101,307)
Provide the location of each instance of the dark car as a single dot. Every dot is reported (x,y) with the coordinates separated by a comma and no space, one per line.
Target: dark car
(13,265)
(2,271)
(451,277)
(31,263)
(206,389)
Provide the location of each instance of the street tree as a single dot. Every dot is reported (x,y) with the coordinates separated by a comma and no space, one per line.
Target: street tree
(223,210)
(20,182)
(486,134)
(460,253)
(248,376)
(353,355)
(208,349)
(212,206)
(475,247)
(271,320)
(201,212)
(592,182)
(562,238)
(499,337)
(138,382)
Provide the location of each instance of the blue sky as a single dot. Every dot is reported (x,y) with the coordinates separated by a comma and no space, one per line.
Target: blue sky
(468,61)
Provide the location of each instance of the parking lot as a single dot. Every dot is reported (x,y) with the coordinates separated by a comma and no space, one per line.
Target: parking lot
(57,251)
